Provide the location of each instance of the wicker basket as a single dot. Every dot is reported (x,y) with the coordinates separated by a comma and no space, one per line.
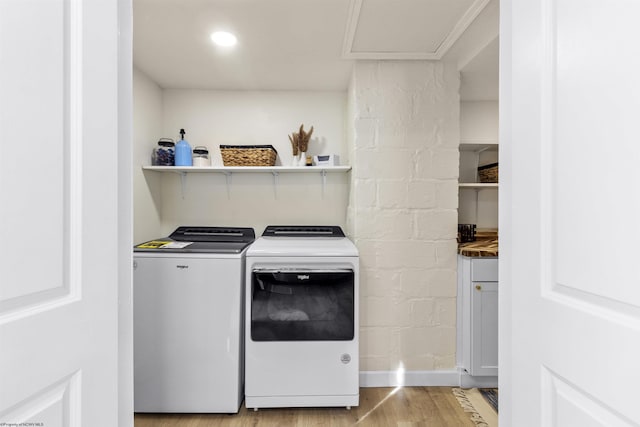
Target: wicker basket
(488,173)
(248,155)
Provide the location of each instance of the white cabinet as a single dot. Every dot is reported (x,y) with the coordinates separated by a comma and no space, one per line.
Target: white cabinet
(484,329)
(478,315)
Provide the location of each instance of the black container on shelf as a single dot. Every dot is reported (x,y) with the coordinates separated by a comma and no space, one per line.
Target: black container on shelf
(466,233)
(165,153)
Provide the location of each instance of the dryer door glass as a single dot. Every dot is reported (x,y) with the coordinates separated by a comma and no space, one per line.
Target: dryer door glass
(304,305)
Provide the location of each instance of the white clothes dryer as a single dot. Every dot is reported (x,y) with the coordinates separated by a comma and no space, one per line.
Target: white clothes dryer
(301,319)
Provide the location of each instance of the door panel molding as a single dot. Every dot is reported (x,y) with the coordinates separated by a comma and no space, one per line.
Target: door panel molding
(606,308)
(61,284)
(55,404)
(565,247)
(567,404)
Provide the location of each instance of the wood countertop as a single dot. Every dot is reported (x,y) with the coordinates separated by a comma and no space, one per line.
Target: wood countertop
(486,245)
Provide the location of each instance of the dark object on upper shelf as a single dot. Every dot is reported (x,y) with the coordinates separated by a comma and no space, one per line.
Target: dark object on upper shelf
(488,173)
(466,233)
(248,155)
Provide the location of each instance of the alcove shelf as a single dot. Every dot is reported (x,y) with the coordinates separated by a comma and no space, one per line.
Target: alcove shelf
(228,171)
(477,201)
(478,185)
(248,169)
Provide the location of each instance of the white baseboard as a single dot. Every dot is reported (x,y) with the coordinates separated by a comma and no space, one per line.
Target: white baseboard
(449,378)
(444,378)
(467,381)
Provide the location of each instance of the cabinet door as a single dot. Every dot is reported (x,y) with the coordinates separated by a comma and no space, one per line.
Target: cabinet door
(484,328)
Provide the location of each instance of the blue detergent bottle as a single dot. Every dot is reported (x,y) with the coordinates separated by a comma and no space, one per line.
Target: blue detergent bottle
(183,151)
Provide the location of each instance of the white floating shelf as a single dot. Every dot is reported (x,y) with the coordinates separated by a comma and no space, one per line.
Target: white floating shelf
(248,169)
(228,172)
(478,147)
(477,185)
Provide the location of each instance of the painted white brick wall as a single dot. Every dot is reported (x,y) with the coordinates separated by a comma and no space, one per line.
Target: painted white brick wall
(403,134)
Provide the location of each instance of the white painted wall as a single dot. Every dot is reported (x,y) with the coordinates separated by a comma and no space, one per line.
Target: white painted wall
(253,200)
(403,211)
(478,125)
(212,118)
(479,122)
(350,126)
(147,120)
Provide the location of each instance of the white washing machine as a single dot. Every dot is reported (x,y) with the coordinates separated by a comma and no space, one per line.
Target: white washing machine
(188,312)
(301,319)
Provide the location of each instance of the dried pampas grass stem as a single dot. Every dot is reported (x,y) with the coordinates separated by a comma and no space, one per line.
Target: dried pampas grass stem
(300,140)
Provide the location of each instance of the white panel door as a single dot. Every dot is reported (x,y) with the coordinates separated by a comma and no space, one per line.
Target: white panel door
(569,204)
(59,212)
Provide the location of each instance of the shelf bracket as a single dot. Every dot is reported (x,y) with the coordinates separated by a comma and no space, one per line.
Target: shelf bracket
(183,179)
(276,175)
(477,200)
(228,179)
(323,174)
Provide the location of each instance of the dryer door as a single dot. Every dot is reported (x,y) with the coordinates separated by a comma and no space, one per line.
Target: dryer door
(302,305)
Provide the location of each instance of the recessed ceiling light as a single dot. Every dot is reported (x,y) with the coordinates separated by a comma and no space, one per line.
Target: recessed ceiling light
(224,38)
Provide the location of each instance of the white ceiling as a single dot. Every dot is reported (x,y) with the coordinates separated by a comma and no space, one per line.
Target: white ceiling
(301,44)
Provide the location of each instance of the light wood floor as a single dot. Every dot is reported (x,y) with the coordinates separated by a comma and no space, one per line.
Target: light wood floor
(403,407)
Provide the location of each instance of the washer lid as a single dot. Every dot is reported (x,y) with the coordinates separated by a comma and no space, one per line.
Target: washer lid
(194,239)
(166,245)
(303,231)
(213,234)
